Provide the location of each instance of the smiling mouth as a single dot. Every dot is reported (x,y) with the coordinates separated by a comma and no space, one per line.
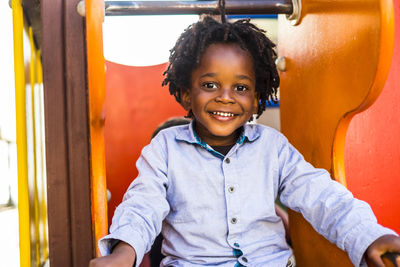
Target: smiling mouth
(223,114)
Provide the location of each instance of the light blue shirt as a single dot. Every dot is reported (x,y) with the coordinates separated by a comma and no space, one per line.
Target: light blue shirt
(210,207)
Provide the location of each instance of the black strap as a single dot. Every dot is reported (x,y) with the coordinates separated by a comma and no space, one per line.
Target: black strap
(221,6)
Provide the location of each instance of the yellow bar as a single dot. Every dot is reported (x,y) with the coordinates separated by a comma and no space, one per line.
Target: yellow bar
(43,197)
(22,160)
(39,74)
(32,65)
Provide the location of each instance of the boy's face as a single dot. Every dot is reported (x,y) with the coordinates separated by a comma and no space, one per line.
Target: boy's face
(222,97)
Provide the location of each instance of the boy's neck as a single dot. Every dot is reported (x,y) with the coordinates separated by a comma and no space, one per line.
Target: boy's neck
(224,150)
(217,140)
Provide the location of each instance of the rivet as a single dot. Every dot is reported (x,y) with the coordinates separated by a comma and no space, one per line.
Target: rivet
(280,63)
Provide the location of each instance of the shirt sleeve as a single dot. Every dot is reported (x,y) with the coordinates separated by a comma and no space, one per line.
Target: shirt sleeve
(137,220)
(327,205)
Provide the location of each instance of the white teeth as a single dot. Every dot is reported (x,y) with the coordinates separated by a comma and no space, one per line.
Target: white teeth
(223,114)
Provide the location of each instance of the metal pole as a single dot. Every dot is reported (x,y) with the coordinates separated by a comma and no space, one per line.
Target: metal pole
(126,8)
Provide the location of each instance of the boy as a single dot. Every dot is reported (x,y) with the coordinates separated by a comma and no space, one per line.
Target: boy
(212,183)
(155,252)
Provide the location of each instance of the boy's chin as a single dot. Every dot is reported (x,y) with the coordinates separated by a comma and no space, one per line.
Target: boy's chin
(221,134)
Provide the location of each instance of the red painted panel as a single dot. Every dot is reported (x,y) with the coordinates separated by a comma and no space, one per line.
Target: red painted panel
(372,149)
(136,104)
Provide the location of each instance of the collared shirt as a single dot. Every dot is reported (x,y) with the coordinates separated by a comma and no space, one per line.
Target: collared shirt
(219,210)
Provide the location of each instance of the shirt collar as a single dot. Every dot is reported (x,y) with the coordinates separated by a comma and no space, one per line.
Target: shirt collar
(250,133)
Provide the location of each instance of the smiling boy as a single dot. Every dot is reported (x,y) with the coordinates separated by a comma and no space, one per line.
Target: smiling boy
(210,186)
(222,95)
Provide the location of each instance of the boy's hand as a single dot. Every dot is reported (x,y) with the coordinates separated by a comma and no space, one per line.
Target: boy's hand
(386,243)
(122,255)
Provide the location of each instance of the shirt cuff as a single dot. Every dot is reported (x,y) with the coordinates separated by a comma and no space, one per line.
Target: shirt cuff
(361,238)
(134,239)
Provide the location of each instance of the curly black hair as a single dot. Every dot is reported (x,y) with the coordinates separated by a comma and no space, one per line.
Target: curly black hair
(190,46)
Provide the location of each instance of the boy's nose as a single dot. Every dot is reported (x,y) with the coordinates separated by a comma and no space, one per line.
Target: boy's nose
(225,96)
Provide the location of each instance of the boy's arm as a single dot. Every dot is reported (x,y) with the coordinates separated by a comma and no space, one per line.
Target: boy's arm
(138,219)
(122,255)
(327,205)
(384,244)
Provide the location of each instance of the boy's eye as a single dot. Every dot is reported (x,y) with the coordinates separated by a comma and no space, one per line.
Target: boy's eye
(241,88)
(209,85)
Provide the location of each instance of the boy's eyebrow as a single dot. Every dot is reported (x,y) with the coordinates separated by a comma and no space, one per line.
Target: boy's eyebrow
(244,77)
(240,76)
(209,74)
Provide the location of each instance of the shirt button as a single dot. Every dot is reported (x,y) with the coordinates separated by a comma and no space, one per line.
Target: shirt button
(231,189)
(227,160)
(244,259)
(233,220)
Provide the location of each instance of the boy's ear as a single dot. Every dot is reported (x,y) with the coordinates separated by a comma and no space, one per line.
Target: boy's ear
(185,100)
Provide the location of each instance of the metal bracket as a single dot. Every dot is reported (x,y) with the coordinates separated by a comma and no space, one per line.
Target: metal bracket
(295,17)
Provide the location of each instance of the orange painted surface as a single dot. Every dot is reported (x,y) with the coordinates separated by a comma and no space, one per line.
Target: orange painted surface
(96,83)
(136,104)
(372,148)
(337,60)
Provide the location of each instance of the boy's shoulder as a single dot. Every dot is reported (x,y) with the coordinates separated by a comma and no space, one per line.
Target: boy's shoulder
(165,139)
(263,131)
(170,133)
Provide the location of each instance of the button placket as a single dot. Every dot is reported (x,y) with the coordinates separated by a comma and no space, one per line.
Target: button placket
(230,176)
